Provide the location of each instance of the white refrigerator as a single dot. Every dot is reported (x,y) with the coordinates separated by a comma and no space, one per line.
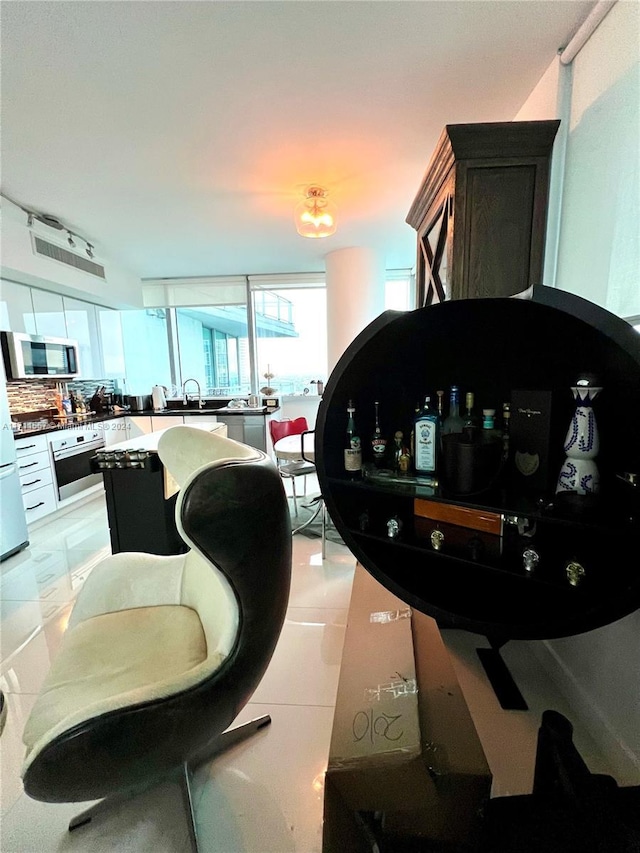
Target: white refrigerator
(13,523)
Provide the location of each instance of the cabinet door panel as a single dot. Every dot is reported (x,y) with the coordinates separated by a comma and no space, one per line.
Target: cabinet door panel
(16,308)
(165,421)
(116,430)
(499,230)
(138,425)
(82,326)
(111,343)
(49,313)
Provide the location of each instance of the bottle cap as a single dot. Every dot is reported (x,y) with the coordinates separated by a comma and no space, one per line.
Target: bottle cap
(469,399)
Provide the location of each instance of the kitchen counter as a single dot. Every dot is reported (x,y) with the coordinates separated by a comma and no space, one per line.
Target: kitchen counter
(43,426)
(212,410)
(40,427)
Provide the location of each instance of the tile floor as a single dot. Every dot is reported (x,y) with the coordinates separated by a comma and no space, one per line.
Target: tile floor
(265,796)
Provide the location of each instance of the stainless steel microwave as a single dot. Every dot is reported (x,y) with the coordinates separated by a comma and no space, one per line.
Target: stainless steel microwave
(38,357)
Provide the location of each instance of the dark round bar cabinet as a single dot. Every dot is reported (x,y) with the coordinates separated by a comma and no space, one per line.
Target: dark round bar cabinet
(587,572)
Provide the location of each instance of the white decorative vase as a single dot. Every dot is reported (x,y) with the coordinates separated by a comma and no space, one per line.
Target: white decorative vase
(579,472)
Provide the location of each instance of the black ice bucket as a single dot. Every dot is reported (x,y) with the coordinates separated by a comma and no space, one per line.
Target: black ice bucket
(470,465)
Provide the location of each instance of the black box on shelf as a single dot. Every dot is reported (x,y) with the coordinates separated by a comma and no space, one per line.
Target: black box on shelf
(536,439)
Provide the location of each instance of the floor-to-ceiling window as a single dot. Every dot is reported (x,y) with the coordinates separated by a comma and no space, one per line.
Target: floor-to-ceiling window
(291,333)
(237,335)
(213,347)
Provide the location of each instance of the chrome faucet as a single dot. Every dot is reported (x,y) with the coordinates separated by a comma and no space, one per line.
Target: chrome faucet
(185,399)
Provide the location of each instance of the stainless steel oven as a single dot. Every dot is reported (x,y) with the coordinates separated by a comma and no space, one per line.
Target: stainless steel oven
(72,453)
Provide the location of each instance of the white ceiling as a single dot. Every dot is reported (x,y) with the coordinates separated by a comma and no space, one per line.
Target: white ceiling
(178,136)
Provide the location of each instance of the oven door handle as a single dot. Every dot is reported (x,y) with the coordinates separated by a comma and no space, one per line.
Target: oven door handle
(76,449)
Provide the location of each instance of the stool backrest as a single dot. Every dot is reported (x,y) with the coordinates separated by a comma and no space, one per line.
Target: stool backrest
(288,426)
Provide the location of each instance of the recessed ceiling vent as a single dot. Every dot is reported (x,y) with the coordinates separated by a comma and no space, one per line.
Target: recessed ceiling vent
(56,253)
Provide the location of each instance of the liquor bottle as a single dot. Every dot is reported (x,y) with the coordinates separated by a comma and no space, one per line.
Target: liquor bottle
(470,425)
(378,442)
(401,456)
(352,446)
(506,422)
(440,407)
(453,422)
(412,434)
(427,432)
(488,419)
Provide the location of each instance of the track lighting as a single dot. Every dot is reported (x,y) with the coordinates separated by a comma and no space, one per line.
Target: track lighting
(53,222)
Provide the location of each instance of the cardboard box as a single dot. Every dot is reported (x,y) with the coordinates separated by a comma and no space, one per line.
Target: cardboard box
(403,742)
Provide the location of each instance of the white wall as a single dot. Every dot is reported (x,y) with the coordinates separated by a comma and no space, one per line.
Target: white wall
(598,258)
(122,289)
(597,99)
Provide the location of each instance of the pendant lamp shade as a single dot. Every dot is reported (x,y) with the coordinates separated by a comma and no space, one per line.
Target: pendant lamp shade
(315,216)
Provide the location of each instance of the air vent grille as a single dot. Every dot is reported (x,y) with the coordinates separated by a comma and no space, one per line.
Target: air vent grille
(63,256)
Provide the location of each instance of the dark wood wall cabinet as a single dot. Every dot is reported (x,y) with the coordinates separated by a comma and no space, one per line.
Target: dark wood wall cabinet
(481,211)
(479,579)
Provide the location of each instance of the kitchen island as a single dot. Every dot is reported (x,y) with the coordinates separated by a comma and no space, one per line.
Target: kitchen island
(141,494)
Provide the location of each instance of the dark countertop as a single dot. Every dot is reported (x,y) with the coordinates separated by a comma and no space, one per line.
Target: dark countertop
(39,427)
(212,410)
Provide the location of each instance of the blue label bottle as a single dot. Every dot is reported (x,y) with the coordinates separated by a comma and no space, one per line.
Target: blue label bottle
(427,440)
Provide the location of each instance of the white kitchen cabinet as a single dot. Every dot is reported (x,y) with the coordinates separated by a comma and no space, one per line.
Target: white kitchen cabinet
(138,425)
(31,444)
(36,476)
(115,430)
(200,420)
(35,471)
(16,308)
(111,343)
(165,421)
(49,314)
(82,326)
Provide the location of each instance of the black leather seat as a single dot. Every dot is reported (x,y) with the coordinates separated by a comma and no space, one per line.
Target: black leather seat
(162,653)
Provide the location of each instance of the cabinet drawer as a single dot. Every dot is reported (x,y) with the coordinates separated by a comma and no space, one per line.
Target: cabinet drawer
(39,502)
(31,444)
(33,462)
(36,479)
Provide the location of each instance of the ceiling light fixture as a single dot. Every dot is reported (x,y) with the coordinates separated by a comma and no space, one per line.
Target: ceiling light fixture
(315,216)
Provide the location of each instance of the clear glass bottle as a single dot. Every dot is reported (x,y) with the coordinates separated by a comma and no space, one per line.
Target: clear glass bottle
(353,445)
(378,441)
(427,440)
(453,422)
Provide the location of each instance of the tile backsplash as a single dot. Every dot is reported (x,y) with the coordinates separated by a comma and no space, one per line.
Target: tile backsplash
(32,395)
